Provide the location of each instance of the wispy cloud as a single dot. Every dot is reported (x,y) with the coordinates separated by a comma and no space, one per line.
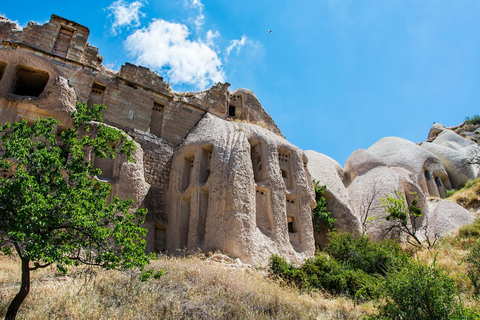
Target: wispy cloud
(197,5)
(125,14)
(238,44)
(165,46)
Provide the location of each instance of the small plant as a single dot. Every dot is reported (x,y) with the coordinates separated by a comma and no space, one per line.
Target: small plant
(473,120)
(406,218)
(473,266)
(320,215)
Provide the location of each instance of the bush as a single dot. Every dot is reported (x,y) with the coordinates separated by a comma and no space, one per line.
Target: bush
(419,291)
(320,215)
(473,265)
(473,120)
(350,265)
(359,252)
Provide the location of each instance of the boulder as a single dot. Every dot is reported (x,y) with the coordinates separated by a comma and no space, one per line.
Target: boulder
(455,163)
(445,216)
(429,171)
(371,180)
(435,130)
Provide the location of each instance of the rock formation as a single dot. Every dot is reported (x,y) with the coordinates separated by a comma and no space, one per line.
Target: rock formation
(212,167)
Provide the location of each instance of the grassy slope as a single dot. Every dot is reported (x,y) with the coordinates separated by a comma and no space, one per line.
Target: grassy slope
(192,288)
(198,288)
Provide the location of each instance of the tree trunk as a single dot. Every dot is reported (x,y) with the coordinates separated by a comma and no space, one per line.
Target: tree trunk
(22,294)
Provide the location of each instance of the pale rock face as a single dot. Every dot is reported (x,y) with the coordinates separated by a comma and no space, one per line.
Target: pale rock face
(455,151)
(450,139)
(435,130)
(131,180)
(445,216)
(329,172)
(241,189)
(429,171)
(455,162)
(370,181)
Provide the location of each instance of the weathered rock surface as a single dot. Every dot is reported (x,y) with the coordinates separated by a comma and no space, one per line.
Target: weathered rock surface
(241,189)
(371,180)
(329,172)
(445,216)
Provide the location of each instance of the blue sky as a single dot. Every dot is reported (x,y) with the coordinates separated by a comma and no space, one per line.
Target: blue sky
(335,75)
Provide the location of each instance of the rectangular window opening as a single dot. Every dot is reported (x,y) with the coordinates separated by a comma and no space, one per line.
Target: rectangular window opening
(29,82)
(63,42)
(231,111)
(97,93)
(427,175)
(156,121)
(3,66)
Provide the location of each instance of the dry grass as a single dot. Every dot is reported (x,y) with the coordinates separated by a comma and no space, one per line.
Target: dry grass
(192,288)
(468,196)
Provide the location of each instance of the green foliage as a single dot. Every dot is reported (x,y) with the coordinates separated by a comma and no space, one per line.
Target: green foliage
(350,265)
(359,252)
(472,260)
(320,215)
(148,274)
(405,218)
(473,120)
(53,209)
(421,292)
(470,230)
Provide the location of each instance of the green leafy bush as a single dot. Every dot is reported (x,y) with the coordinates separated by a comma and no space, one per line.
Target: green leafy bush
(421,292)
(359,252)
(350,265)
(320,215)
(473,265)
(473,120)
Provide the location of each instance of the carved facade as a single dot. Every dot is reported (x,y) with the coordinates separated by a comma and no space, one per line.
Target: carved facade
(188,173)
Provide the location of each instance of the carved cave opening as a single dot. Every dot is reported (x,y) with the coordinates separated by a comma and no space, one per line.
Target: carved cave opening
(187,172)
(263,210)
(3,66)
(206,158)
(29,81)
(63,42)
(284,164)
(107,167)
(156,121)
(231,111)
(257,163)
(160,236)
(96,95)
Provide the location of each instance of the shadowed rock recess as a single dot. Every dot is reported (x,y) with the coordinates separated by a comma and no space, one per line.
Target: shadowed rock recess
(212,167)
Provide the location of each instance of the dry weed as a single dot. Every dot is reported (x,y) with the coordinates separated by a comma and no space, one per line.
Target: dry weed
(192,288)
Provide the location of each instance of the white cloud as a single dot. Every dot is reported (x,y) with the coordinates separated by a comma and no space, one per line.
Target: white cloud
(196,5)
(165,46)
(210,37)
(237,43)
(125,14)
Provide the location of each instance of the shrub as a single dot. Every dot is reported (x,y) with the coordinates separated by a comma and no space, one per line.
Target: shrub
(359,252)
(473,120)
(350,265)
(320,215)
(470,230)
(418,291)
(473,265)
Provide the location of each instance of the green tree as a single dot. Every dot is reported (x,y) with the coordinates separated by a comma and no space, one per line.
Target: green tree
(407,218)
(53,209)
